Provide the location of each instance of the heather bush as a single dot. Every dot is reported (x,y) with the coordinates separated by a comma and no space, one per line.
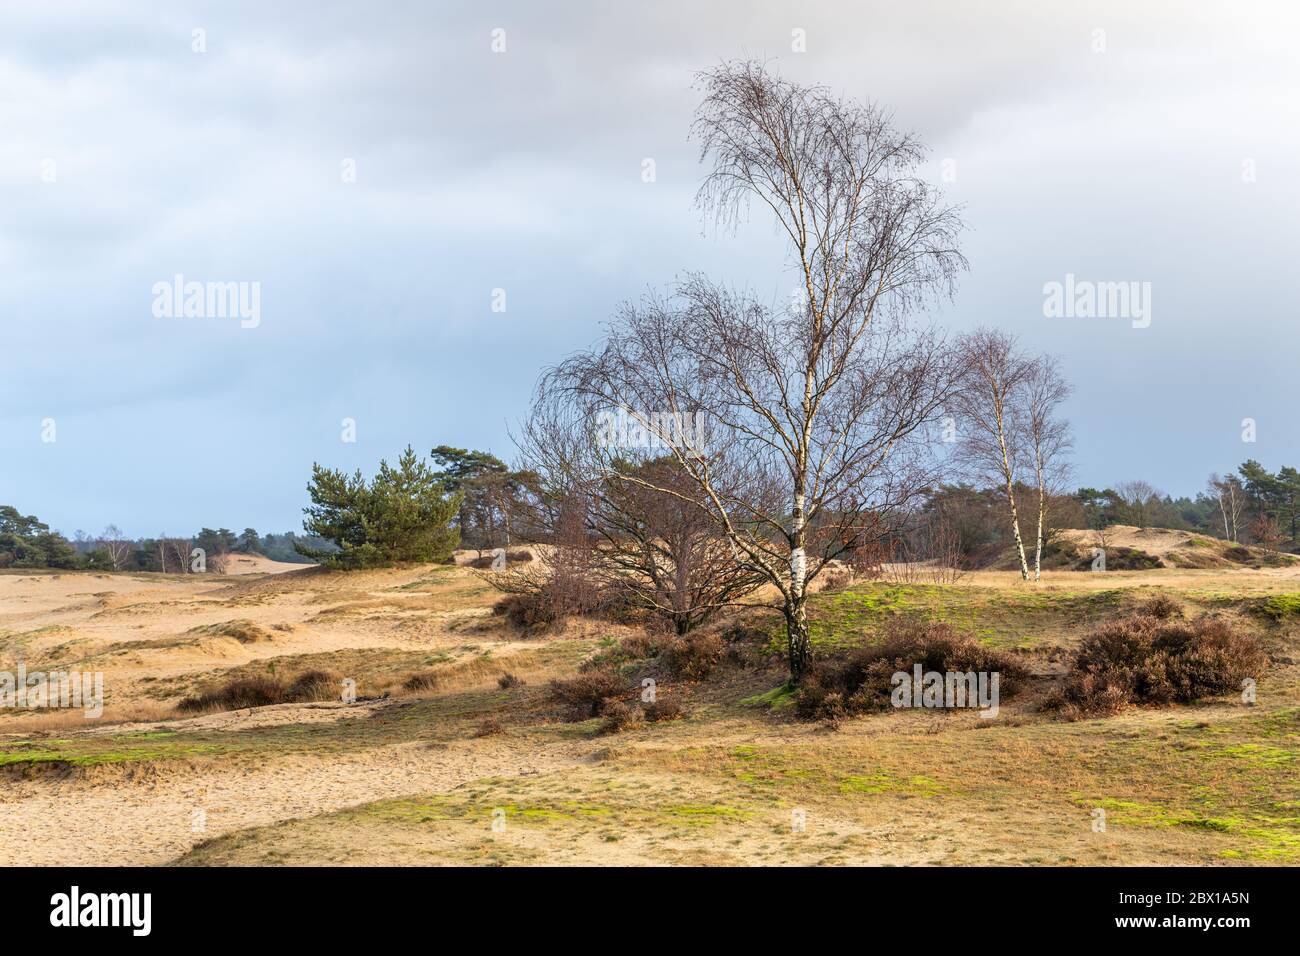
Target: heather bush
(1148,659)
(314,685)
(663,708)
(837,579)
(236,694)
(1161,606)
(644,645)
(487,561)
(861,680)
(527,611)
(421,680)
(586,693)
(693,656)
(1123,559)
(619,716)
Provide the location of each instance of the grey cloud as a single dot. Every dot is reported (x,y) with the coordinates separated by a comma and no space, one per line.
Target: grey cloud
(522,171)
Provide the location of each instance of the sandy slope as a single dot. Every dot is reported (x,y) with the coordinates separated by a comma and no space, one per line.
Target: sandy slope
(258,564)
(1172,546)
(141,630)
(154,636)
(654,797)
(80,822)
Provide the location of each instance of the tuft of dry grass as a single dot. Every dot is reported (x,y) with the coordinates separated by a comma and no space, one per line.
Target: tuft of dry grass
(423,680)
(44,721)
(244,692)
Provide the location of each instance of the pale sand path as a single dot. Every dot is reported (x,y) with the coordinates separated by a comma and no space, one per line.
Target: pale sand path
(78,822)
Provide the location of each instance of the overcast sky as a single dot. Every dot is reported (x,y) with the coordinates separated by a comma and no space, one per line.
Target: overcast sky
(1096,139)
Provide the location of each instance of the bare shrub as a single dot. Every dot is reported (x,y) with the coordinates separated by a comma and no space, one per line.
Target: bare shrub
(561,583)
(860,681)
(694,656)
(646,539)
(869,556)
(663,708)
(586,693)
(1147,659)
(928,550)
(509,681)
(261,691)
(619,716)
(942,546)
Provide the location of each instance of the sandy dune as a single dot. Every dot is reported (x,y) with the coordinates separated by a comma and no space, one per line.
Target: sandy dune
(715,788)
(79,822)
(142,630)
(258,564)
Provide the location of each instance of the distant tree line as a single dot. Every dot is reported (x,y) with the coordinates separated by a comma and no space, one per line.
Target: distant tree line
(28,542)
(1253,506)
(496,506)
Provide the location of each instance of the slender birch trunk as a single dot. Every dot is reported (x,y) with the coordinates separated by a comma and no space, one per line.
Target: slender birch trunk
(1011,496)
(1042,510)
(1232,492)
(796,618)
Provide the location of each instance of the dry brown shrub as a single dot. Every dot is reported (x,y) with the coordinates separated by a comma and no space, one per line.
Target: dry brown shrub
(1147,659)
(861,680)
(586,693)
(694,655)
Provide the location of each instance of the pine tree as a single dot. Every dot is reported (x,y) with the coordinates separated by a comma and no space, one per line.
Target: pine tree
(403,515)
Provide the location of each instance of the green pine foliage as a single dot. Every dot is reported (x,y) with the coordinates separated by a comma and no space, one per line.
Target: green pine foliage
(403,515)
(26,542)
